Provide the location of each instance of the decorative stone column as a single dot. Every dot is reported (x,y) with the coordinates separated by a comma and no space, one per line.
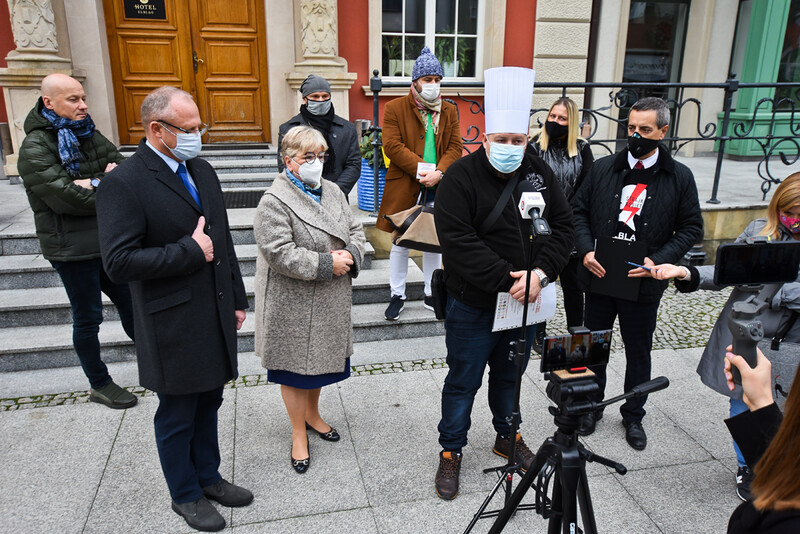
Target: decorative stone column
(316,49)
(36,56)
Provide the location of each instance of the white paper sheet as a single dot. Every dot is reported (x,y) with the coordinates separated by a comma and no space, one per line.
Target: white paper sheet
(508,312)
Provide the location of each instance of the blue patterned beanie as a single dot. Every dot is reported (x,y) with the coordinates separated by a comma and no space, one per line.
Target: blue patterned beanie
(426,65)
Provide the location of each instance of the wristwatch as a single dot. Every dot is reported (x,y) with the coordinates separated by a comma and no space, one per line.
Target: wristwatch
(95,182)
(543,279)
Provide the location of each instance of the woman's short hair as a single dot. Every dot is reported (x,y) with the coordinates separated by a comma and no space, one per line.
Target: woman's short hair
(302,139)
(572,123)
(786,197)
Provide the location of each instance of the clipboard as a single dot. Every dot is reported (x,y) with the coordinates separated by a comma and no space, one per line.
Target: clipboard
(613,254)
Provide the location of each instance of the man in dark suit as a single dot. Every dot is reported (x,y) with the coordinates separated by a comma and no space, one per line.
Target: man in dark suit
(164,230)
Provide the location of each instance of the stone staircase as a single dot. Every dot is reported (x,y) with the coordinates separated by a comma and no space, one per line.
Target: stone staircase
(35,315)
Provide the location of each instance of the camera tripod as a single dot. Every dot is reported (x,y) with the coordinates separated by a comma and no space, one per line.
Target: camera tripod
(562,458)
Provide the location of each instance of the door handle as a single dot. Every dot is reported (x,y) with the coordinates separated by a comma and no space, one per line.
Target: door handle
(196,60)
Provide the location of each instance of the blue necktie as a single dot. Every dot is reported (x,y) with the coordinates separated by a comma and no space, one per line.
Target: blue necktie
(184,176)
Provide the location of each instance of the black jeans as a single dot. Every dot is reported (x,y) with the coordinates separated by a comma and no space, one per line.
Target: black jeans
(84,281)
(637,322)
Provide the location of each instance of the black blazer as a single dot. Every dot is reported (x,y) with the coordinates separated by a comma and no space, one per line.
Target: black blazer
(183,306)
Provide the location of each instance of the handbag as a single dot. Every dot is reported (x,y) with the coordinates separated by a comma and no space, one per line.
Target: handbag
(415,227)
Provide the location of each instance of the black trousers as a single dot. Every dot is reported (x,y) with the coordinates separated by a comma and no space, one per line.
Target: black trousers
(637,322)
(188,446)
(573,295)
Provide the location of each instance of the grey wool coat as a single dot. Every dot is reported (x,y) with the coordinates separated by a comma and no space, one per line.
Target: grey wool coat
(303,322)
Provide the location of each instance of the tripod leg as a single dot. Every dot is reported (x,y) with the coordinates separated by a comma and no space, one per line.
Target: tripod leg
(570,474)
(477,516)
(522,488)
(585,501)
(556,505)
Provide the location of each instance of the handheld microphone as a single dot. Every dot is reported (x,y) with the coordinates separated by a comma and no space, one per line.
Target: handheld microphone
(531,202)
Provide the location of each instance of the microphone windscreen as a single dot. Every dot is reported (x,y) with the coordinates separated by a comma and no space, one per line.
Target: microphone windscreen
(525,186)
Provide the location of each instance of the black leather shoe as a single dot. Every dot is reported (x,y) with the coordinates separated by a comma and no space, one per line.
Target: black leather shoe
(634,435)
(301,466)
(330,435)
(588,423)
(227,494)
(200,515)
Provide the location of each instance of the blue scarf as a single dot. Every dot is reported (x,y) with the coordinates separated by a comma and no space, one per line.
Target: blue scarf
(69,149)
(315,194)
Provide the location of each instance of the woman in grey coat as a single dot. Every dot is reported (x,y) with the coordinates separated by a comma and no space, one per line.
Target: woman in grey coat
(309,248)
(781,224)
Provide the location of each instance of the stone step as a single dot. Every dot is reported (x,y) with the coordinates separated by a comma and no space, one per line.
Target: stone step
(244,166)
(236,152)
(42,347)
(247,179)
(40,306)
(29,271)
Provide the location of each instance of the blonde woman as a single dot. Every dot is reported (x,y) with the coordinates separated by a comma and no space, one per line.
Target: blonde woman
(782,223)
(309,248)
(570,157)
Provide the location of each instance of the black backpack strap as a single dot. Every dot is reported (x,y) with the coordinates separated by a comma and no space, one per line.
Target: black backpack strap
(499,207)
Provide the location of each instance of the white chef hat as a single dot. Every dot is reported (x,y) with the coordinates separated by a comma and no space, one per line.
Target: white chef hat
(507,99)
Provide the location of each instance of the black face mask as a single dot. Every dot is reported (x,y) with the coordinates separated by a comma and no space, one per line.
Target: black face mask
(555,130)
(639,146)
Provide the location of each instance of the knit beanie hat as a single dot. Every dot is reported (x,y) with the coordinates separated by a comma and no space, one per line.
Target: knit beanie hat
(314,83)
(426,65)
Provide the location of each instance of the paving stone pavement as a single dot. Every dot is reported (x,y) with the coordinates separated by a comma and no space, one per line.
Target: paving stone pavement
(74,466)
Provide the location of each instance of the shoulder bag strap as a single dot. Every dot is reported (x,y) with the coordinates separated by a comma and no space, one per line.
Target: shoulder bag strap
(498,208)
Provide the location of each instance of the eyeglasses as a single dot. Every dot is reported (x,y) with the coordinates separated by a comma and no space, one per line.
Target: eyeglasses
(201,131)
(309,157)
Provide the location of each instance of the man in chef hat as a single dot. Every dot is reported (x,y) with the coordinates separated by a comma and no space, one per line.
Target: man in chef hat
(484,254)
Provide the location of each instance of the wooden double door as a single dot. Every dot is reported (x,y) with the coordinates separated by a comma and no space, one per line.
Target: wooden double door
(214,49)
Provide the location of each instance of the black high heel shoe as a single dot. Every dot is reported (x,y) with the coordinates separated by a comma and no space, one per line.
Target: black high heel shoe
(330,435)
(301,466)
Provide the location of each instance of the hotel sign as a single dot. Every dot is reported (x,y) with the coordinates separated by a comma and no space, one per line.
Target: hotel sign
(145,9)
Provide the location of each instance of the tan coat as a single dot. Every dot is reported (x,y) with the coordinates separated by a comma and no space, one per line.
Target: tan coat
(404,144)
(303,322)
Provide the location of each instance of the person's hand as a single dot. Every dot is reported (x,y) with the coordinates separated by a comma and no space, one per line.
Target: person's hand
(756,382)
(110,167)
(593,265)
(240,315)
(430,178)
(638,272)
(667,271)
(200,237)
(85,183)
(518,289)
(342,260)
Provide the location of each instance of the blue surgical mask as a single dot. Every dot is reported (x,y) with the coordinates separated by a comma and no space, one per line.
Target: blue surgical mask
(188,146)
(506,158)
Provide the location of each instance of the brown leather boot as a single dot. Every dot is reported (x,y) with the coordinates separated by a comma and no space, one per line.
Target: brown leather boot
(522,454)
(447,474)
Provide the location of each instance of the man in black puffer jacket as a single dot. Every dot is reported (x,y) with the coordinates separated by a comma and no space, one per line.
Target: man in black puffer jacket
(483,258)
(640,194)
(61,162)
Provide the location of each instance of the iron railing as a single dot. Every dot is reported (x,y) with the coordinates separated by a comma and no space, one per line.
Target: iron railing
(770,112)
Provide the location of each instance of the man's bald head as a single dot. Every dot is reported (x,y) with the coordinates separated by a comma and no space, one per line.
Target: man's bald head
(65,96)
